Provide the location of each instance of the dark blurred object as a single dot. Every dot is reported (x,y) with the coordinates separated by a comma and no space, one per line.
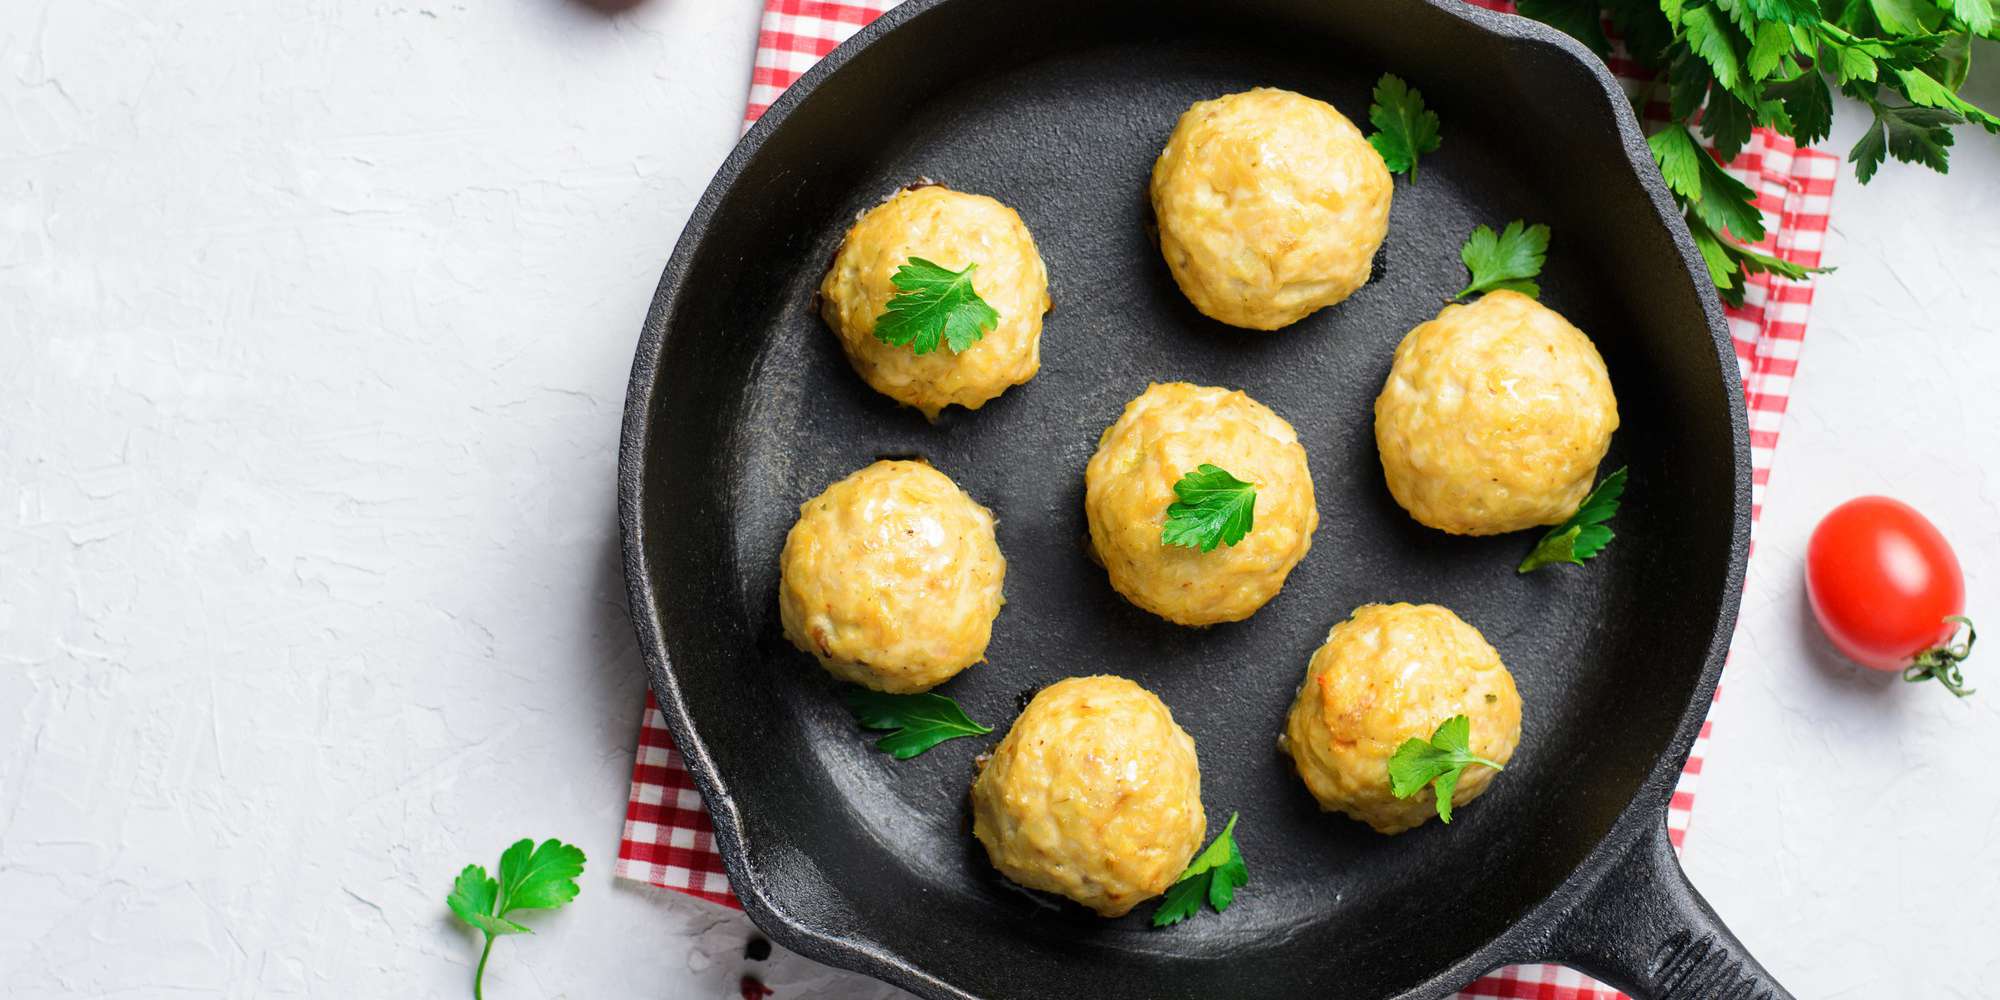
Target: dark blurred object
(757,950)
(609,6)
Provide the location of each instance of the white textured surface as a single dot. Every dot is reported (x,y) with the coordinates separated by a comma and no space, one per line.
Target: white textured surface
(1848,824)
(315,320)
(314,326)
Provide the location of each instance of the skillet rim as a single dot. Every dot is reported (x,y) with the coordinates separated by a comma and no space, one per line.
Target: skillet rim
(1643,815)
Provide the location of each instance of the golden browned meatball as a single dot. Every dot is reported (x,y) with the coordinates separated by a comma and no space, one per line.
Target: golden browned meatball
(1166,433)
(1270,205)
(1494,417)
(1391,673)
(951,229)
(1094,794)
(892,578)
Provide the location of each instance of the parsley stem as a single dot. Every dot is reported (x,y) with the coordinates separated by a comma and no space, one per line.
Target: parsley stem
(1482,760)
(479,977)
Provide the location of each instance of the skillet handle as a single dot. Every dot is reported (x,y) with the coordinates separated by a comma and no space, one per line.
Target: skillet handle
(1645,930)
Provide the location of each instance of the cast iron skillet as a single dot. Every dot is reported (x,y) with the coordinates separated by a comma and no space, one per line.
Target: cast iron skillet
(741,407)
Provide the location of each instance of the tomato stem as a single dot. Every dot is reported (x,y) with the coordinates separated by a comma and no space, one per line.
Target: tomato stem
(1942,662)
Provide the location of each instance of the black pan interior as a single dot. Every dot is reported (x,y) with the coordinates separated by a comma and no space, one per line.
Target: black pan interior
(1058,109)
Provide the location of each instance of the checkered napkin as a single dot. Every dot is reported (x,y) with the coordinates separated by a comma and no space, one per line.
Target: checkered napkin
(668,839)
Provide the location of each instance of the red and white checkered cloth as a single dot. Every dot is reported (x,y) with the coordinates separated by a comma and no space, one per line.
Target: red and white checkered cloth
(668,839)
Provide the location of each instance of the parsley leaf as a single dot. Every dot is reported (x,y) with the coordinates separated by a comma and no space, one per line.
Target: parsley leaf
(1787,11)
(1978,15)
(1912,135)
(1215,508)
(1507,260)
(531,878)
(1728,121)
(1772,42)
(1712,38)
(934,304)
(1408,129)
(1215,874)
(1717,198)
(919,721)
(1849,63)
(1437,763)
(1809,103)
(1954,58)
(1902,17)
(1726,258)
(1924,90)
(1688,82)
(1584,534)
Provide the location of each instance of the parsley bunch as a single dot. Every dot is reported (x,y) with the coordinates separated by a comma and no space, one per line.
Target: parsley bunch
(1731,65)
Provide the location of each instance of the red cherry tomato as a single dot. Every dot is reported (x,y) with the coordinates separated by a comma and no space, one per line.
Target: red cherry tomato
(1888,590)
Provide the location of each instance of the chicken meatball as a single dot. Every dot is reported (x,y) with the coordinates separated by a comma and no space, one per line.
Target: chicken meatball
(1169,431)
(892,578)
(953,230)
(1094,795)
(1494,417)
(1270,205)
(1390,673)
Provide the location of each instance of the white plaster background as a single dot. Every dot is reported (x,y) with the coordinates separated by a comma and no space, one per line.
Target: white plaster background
(314,326)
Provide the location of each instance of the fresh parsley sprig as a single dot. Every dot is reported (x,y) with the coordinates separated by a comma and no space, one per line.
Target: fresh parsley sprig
(1406,129)
(1729,66)
(1214,875)
(1584,534)
(934,305)
(1715,197)
(531,878)
(1507,260)
(1716,203)
(1215,508)
(919,721)
(1437,763)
